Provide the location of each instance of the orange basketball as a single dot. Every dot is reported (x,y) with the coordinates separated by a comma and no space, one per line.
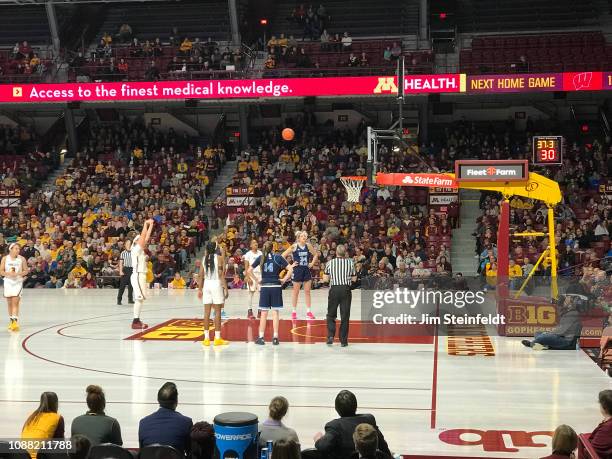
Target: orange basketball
(288,134)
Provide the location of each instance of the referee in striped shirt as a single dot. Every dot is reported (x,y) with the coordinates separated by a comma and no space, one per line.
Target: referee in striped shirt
(125,271)
(340,272)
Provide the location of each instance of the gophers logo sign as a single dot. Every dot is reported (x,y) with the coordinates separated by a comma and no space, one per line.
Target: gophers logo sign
(385,84)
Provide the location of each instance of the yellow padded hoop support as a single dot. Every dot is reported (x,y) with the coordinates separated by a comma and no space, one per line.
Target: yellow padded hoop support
(536,187)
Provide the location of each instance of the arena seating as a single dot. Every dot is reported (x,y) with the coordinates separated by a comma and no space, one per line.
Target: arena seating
(583,244)
(23,69)
(329,61)
(509,15)
(556,52)
(381,231)
(69,240)
(150,20)
(24,22)
(359,17)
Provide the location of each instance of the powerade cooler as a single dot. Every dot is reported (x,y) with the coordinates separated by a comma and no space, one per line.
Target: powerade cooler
(236,436)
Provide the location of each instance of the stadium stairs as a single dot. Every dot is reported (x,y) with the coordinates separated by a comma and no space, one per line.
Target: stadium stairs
(49,183)
(462,248)
(218,189)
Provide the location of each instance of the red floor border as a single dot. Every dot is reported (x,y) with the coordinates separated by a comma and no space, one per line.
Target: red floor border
(434,382)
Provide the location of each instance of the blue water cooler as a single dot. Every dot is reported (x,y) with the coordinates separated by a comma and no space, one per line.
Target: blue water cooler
(236,436)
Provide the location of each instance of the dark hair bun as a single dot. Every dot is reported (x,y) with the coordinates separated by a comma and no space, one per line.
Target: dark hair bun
(93,389)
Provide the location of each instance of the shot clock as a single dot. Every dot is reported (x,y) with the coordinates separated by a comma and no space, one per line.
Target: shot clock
(547,150)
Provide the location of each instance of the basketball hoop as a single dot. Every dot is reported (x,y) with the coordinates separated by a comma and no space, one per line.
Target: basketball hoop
(353,187)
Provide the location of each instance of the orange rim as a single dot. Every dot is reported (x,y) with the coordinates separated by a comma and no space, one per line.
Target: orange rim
(355,177)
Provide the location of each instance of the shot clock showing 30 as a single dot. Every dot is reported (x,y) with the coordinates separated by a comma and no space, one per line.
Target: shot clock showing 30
(547,150)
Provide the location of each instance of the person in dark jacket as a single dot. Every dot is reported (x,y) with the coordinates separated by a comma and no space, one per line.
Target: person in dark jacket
(601,437)
(563,336)
(564,443)
(166,426)
(95,425)
(338,443)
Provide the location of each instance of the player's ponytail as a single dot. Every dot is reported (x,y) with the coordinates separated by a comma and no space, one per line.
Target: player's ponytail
(209,257)
(267,249)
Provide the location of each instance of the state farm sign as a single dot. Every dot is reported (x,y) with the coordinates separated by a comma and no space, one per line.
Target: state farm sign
(428,180)
(491,171)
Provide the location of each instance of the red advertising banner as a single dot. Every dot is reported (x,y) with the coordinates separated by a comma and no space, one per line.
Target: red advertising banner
(302,87)
(428,180)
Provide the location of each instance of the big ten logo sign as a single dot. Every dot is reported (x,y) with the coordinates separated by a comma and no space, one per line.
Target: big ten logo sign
(502,441)
(531,314)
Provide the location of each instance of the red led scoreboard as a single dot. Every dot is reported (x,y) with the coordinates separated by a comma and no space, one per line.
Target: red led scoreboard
(547,149)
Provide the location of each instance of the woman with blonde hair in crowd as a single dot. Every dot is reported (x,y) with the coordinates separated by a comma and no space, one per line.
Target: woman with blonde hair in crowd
(44,423)
(273,429)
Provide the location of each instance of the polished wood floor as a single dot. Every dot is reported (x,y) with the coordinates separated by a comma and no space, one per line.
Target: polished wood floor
(425,400)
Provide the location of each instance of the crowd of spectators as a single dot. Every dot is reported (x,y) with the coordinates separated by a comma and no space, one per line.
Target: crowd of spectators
(320,49)
(22,63)
(582,220)
(23,167)
(389,232)
(125,57)
(350,436)
(72,235)
(333,51)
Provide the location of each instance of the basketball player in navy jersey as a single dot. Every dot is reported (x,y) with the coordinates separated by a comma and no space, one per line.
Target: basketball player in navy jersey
(271,295)
(305,256)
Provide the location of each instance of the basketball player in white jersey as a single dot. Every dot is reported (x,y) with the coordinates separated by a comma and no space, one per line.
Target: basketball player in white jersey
(212,290)
(138,279)
(13,268)
(305,256)
(254,282)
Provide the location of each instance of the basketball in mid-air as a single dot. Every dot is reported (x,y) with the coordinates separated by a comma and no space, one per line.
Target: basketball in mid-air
(288,134)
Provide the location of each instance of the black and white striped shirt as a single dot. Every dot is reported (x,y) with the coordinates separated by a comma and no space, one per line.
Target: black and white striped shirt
(340,271)
(126,258)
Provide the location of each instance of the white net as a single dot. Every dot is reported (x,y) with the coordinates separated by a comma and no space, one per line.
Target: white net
(353,187)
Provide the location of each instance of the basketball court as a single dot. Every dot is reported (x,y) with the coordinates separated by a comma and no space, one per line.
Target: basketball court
(502,402)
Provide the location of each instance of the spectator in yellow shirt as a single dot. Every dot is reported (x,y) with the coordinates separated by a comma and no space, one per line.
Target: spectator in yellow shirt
(514,273)
(150,276)
(186,46)
(178,282)
(78,271)
(108,39)
(99,168)
(35,61)
(272,41)
(243,165)
(182,167)
(491,274)
(254,164)
(393,230)
(282,41)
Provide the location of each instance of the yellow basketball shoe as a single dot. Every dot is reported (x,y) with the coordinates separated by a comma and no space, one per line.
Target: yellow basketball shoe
(221,342)
(206,342)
